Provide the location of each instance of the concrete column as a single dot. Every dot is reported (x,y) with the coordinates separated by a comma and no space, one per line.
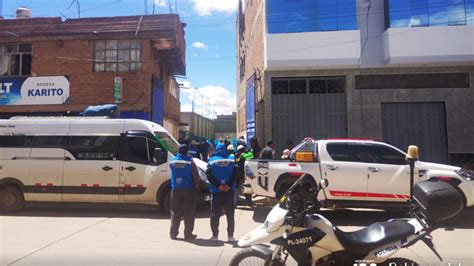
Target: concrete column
(371,23)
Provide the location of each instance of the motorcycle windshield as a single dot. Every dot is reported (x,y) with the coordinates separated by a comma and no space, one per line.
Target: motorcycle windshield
(282,201)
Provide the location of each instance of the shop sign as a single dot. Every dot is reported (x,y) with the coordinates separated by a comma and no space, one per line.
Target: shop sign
(34,90)
(118,89)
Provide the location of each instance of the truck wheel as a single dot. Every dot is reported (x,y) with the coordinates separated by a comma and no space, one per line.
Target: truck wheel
(11,199)
(166,202)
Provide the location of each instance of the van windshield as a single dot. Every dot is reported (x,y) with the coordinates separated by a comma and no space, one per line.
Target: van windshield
(168,141)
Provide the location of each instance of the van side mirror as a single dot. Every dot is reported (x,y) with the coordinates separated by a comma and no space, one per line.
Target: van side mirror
(160,156)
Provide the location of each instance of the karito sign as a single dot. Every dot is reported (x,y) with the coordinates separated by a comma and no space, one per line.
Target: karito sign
(34,90)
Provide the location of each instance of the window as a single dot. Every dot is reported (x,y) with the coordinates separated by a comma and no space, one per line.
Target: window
(15,141)
(365,153)
(310,15)
(15,59)
(141,150)
(117,56)
(169,142)
(413,81)
(94,147)
(49,141)
(347,152)
(385,155)
(320,85)
(138,150)
(422,13)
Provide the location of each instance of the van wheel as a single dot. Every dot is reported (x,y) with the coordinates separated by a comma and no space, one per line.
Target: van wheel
(11,199)
(166,202)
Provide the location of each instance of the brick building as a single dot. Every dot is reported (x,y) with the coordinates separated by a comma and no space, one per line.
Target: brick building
(54,67)
(396,71)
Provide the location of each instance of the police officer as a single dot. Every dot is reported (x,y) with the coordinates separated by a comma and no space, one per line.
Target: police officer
(194,149)
(184,185)
(222,178)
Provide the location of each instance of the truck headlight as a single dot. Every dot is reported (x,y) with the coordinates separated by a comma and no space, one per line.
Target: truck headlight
(465,174)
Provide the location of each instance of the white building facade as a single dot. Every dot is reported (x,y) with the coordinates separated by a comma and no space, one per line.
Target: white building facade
(398,71)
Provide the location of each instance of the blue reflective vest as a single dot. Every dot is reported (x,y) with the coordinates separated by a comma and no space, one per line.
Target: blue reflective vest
(222,165)
(181,172)
(193,152)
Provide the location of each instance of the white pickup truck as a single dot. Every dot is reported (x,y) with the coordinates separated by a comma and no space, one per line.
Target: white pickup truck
(361,173)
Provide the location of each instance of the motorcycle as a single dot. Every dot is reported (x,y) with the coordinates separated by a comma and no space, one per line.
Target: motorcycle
(296,229)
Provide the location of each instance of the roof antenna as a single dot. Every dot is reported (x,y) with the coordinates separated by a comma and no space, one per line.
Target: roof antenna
(78,7)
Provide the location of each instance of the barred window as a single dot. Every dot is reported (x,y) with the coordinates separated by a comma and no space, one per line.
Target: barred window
(117,56)
(15,59)
(316,85)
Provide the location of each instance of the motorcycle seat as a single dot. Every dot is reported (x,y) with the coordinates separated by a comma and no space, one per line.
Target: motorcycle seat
(376,235)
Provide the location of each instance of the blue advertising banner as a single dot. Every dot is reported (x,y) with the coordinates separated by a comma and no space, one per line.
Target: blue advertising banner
(34,90)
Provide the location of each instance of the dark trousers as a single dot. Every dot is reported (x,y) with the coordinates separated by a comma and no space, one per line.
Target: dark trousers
(223,201)
(183,205)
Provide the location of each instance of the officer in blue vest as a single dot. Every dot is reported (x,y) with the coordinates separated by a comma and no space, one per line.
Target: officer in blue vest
(194,149)
(222,174)
(184,185)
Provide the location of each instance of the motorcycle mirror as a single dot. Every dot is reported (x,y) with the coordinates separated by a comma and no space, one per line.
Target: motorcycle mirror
(324,183)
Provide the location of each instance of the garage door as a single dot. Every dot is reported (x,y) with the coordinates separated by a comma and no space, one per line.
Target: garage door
(308,107)
(422,124)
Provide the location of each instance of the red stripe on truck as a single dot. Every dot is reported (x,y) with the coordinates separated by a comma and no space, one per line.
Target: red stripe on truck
(295,174)
(363,194)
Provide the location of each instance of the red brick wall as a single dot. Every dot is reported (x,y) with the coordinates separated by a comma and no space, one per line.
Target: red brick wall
(73,58)
(253,49)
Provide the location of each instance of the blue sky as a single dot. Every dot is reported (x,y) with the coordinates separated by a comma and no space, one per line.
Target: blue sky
(210,41)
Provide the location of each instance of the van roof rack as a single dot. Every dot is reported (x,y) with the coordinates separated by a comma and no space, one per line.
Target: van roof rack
(57,117)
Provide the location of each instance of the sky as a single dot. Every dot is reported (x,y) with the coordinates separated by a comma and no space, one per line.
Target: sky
(210,41)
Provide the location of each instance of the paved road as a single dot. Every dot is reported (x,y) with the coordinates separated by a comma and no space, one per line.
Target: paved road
(64,236)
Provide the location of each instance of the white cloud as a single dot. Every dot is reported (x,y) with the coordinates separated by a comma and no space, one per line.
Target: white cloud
(208,99)
(207,7)
(160,2)
(186,108)
(200,45)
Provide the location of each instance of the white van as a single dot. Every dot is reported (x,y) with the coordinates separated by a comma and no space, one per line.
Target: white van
(84,159)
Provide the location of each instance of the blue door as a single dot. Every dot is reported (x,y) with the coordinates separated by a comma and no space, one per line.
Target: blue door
(250,114)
